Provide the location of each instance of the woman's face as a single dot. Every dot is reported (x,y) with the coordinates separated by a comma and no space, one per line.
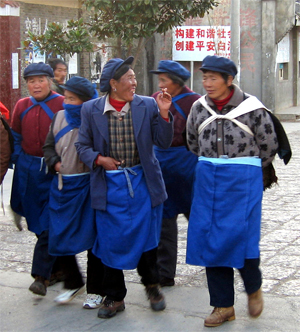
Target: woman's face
(215,85)
(71,98)
(124,88)
(164,82)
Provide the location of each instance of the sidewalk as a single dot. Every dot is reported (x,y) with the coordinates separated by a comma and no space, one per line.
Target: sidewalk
(188,300)
(289,114)
(186,309)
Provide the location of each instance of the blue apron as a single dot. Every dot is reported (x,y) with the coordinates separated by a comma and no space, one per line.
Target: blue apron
(72,226)
(30,187)
(224,224)
(129,226)
(30,192)
(178,168)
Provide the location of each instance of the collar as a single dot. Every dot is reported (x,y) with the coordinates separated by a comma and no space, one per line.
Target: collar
(109,108)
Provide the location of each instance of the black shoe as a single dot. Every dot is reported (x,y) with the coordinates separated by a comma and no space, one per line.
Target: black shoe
(157,299)
(109,308)
(39,286)
(164,281)
(56,277)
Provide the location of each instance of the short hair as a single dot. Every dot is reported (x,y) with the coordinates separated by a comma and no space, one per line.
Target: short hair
(53,62)
(175,79)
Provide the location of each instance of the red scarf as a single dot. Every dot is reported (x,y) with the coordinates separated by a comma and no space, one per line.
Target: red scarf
(118,105)
(223,102)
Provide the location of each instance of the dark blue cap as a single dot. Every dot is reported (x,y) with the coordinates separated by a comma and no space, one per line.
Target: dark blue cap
(38,69)
(80,86)
(172,67)
(109,71)
(219,64)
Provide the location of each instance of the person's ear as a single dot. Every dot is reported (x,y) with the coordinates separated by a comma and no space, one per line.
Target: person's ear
(230,80)
(113,84)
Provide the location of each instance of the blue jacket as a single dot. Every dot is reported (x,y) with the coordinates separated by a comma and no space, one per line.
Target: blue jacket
(149,129)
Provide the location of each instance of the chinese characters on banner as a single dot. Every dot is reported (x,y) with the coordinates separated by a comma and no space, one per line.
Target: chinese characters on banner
(194,43)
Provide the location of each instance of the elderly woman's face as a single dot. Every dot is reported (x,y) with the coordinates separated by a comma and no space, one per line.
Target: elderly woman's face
(215,85)
(164,82)
(124,88)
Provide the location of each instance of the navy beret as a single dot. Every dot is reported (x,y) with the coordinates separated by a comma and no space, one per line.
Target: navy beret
(172,67)
(219,64)
(109,71)
(80,86)
(38,69)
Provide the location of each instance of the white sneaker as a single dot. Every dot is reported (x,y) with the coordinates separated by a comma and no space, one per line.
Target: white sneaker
(92,301)
(69,295)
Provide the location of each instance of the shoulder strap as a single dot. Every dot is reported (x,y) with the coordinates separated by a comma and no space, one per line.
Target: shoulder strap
(178,97)
(43,104)
(248,105)
(62,132)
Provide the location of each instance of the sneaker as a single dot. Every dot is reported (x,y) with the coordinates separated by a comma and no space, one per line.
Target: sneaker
(109,308)
(156,297)
(69,295)
(39,286)
(92,301)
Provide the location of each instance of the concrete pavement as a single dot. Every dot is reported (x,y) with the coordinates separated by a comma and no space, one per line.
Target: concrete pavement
(188,301)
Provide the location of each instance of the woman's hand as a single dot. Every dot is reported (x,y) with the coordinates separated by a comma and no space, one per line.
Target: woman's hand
(107,163)
(57,167)
(164,101)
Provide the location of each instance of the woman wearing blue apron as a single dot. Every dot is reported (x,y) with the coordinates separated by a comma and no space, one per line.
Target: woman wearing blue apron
(72,227)
(177,165)
(234,137)
(116,141)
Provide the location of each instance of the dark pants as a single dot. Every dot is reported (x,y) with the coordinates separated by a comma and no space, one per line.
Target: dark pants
(73,276)
(167,248)
(42,262)
(221,282)
(114,283)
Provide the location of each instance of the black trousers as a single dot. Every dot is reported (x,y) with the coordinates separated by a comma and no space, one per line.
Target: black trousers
(73,276)
(221,282)
(114,283)
(42,262)
(168,247)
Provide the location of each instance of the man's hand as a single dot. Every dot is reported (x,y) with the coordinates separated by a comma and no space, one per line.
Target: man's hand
(108,163)
(164,101)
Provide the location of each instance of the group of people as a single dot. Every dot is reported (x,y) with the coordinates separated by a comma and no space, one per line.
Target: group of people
(113,173)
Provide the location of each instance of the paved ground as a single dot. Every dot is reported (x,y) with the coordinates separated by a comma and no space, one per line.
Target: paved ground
(187,302)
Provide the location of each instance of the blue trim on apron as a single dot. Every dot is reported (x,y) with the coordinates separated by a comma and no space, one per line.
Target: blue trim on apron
(72,226)
(224,224)
(62,132)
(178,97)
(129,226)
(43,104)
(30,192)
(178,168)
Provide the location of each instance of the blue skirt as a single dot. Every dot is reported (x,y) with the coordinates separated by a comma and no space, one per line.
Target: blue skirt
(178,168)
(72,220)
(129,226)
(30,192)
(224,224)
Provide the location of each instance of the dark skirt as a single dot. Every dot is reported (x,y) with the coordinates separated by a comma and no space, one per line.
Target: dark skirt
(178,168)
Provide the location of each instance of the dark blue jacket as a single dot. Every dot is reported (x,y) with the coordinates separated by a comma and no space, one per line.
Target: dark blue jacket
(149,129)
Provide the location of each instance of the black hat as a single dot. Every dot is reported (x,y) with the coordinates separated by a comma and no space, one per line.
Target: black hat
(172,67)
(80,86)
(109,71)
(219,64)
(38,69)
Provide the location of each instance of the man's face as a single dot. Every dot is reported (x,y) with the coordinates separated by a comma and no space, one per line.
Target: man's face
(60,73)
(38,87)
(215,85)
